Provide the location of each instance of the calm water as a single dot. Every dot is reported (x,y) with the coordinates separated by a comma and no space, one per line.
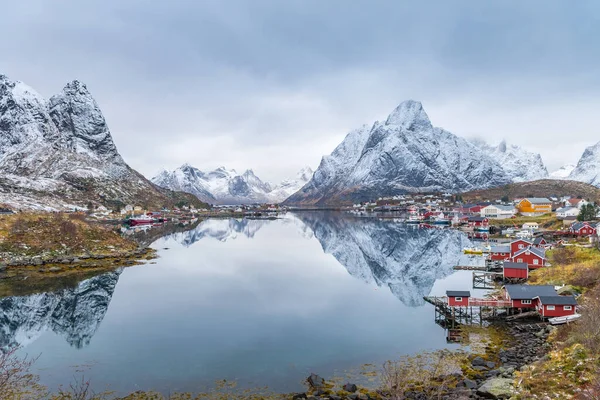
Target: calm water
(264,302)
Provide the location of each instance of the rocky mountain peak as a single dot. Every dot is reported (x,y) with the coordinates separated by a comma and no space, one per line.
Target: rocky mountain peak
(81,123)
(502,146)
(411,116)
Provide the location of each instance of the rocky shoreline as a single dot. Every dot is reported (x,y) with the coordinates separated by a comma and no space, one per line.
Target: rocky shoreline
(489,376)
(22,265)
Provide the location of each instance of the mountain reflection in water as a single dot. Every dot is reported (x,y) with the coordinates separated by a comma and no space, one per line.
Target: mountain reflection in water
(406,259)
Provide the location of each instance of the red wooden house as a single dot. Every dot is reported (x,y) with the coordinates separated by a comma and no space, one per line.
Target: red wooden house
(478,222)
(526,296)
(515,270)
(518,245)
(582,229)
(534,257)
(499,253)
(556,306)
(458,298)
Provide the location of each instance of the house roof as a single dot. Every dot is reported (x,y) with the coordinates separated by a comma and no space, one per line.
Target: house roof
(538,252)
(522,240)
(558,300)
(538,240)
(529,292)
(500,249)
(505,207)
(565,209)
(458,293)
(574,200)
(578,225)
(538,200)
(515,265)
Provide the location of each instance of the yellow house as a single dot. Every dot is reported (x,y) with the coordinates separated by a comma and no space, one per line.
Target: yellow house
(533,206)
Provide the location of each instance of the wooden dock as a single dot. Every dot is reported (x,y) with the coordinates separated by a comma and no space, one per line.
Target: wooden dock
(474,313)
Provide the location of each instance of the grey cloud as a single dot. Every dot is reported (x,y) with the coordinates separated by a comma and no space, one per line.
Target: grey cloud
(273,85)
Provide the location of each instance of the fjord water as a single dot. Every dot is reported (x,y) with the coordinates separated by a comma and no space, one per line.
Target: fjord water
(265,302)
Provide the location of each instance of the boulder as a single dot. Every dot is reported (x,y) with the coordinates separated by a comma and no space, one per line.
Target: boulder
(490,364)
(478,362)
(469,384)
(496,388)
(350,387)
(298,396)
(315,381)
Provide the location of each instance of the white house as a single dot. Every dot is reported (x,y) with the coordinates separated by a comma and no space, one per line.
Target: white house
(574,202)
(566,212)
(497,211)
(531,226)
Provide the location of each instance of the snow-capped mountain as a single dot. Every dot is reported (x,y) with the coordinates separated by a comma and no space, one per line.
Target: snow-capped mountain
(74,313)
(405,153)
(563,172)
(226,186)
(519,164)
(60,153)
(588,168)
(406,259)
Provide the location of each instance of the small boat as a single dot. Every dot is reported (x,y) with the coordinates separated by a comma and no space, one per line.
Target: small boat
(141,220)
(473,250)
(564,320)
(441,221)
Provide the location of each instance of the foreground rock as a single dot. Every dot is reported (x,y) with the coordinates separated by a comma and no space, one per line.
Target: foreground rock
(497,388)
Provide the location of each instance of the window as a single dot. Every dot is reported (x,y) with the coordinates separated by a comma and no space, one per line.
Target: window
(519,260)
(458,298)
(567,308)
(550,308)
(536,261)
(525,301)
(520,246)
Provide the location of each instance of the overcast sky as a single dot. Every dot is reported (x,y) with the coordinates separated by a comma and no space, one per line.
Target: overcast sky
(275,85)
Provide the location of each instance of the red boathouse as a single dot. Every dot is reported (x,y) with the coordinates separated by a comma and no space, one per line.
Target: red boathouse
(515,270)
(458,298)
(526,296)
(534,257)
(556,306)
(499,253)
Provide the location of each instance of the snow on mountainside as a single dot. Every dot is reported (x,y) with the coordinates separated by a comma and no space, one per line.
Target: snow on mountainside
(60,153)
(403,154)
(519,164)
(225,186)
(588,168)
(563,172)
(74,313)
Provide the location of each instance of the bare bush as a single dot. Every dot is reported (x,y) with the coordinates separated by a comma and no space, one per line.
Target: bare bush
(16,379)
(563,255)
(431,373)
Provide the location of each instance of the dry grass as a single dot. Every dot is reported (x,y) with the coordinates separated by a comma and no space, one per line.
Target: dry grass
(57,233)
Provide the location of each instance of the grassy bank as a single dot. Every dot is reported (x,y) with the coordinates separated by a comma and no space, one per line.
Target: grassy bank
(572,368)
(546,221)
(44,251)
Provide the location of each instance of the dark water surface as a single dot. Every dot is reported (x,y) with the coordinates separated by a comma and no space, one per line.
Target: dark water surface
(264,302)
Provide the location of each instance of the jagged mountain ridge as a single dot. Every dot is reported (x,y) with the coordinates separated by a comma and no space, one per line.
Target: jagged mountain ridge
(588,167)
(520,164)
(405,153)
(58,154)
(224,186)
(74,313)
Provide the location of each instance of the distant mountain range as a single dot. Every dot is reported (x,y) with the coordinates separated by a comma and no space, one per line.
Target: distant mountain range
(405,153)
(563,172)
(59,154)
(224,186)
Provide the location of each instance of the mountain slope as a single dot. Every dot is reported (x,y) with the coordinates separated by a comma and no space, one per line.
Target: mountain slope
(563,172)
(519,164)
(225,186)
(403,154)
(60,154)
(588,168)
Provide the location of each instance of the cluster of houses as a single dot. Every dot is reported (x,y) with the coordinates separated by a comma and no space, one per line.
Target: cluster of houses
(541,298)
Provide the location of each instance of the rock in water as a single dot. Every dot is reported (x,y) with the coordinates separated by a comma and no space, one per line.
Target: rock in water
(497,388)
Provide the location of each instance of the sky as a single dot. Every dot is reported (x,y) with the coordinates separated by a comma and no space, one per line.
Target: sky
(274,85)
